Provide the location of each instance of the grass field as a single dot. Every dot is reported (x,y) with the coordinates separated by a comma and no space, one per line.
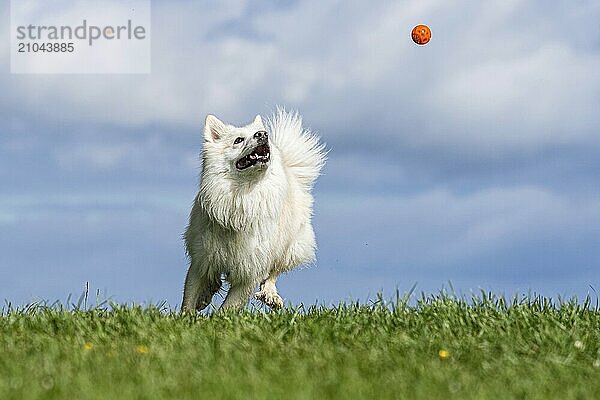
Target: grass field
(438,347)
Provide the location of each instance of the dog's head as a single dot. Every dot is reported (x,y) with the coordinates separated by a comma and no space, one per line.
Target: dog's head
(243,151)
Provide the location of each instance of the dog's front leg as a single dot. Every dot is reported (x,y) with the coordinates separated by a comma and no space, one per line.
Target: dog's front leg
(191,289)
(199,289)
(237,296)
(268,293)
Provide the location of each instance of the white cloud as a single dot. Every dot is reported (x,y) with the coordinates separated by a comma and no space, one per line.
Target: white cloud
(498,80)
(124,156)
(543,97)
(486,80)
(438,227)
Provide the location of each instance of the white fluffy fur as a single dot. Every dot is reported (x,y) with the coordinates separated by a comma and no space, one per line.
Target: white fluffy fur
(254,224)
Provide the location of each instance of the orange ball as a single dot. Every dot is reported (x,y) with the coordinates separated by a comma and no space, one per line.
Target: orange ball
(421,34)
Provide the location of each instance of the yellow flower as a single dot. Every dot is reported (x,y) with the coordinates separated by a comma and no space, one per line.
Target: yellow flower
(142,349)
(87,346)
(443,354)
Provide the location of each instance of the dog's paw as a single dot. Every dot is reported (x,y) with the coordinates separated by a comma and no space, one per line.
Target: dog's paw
(270,298)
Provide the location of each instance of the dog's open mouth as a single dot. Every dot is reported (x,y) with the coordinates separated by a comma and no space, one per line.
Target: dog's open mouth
(261,153)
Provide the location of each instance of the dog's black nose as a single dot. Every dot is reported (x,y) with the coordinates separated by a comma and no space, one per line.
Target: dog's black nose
(261,135)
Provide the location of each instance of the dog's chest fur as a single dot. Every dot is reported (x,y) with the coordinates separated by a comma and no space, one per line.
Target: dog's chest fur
(241,230)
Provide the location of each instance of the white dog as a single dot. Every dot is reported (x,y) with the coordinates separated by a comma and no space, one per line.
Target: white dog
(251,219)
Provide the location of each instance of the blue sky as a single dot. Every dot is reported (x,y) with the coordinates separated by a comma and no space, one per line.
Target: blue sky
(474,159)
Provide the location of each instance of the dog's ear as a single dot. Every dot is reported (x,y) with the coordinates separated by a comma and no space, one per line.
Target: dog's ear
(258,122)
(214,128)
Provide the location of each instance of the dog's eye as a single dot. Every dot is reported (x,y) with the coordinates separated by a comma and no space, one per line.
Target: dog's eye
(238,140)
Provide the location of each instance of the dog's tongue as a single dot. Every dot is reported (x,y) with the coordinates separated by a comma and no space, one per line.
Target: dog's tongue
(260,153)
(244,162)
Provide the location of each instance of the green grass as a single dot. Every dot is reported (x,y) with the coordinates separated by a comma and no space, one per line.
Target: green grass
(497,349)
